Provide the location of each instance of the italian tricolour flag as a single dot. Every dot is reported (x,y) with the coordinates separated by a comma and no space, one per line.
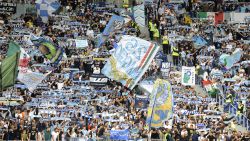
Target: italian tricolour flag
(216,17)
(210,88)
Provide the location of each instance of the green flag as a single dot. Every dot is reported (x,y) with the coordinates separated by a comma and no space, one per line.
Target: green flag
(9,66)
(13,48)
(202,14)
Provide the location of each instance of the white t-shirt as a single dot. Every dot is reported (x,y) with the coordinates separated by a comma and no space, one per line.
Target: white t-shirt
(54,135)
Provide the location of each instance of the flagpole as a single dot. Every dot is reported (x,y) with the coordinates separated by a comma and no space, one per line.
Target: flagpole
(152,112)
(1,87)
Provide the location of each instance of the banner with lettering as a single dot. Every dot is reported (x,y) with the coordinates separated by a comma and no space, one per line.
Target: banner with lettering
(98,80)
(130,60)
(165,69)
(7,7)
(188,76)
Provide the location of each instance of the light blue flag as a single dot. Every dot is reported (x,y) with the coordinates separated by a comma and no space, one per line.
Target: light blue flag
(45,8)
(199,41)
(116,22)
(130,60)
(229,60)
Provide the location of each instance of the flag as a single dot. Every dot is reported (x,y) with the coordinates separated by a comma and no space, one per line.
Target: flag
(115,23)
(130,60)
(31,79)
(12,48)
(219,18)
(216,17)
(161,104)
(8,70)
(210,88)
(45,8)
(9,66)
(199,41)
(229,60)
(188,76)
(48,49)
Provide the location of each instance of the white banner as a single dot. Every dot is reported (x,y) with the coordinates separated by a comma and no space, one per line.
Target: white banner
(81,43)
(98,80)
(188,76)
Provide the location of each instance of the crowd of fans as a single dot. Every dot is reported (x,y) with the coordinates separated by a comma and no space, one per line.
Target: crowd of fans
(68,108)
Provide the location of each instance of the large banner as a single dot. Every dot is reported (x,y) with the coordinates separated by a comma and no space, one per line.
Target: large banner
(130,60)
(188,76)
(115,23)
(161,104)
(139,15)
(119,134)
(229,60)
(141,102)
(6,7)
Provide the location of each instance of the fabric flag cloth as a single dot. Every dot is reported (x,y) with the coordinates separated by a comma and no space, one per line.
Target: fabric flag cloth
(48,49)
(188,76)
(139,15)
(219,18)
(8,70)
(229,60)
(45,8)
(119,134)
(115,23)
(9,66)
(130,60)
(210,88)
(31,79)
(161,104)
(199,41)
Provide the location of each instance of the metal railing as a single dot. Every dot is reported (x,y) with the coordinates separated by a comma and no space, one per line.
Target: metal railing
(241,119)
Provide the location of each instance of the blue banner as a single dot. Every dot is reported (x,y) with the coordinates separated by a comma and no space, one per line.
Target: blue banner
(119,134)
(116,22)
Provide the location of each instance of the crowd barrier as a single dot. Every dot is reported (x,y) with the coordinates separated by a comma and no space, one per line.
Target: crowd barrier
(241,119)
